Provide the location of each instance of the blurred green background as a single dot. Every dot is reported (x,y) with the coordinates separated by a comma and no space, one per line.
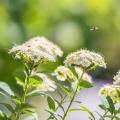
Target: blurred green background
(67,23)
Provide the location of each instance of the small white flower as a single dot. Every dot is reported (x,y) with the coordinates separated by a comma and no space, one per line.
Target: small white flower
(85,76)
(63,73)
(47,84)
(37,50)
(111,90)
(85,59)
(117,78)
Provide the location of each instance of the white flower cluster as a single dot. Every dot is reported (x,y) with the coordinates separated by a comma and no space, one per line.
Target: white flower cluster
(117,78)
(63,73)
(37,50)
(111,90)
(47,84)
(85,76)
(85,59)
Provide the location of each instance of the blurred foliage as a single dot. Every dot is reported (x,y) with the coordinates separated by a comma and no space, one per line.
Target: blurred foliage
(66,22)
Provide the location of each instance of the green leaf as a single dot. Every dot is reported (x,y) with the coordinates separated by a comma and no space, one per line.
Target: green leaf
(60,94)
(104,101)
(35,93)
(67,90)
(84,108)
(64,86)
(3,94)
(4,87)
(29,116)
(111,104)
(8,106)
(74,110)
(4,109)
(6,99)
(85,84)
(33,80)
(3,116)
(60,105)
(27,109)
(79,102)
(27,69)
(101,116)
(19,81)
(118,111)
(51,103)
(103,107)
(53,115)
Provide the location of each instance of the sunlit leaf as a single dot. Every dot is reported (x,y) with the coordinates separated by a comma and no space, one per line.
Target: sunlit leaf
(85,84)
(4,87)
(19,81)
(35,80)
(3,116)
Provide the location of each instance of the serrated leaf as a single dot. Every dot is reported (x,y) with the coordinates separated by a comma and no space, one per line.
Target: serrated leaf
(51,103)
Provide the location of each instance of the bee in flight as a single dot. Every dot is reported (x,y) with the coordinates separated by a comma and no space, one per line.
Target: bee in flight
(94,28)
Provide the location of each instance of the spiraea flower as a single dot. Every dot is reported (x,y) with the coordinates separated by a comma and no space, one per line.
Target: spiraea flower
(111,90)
(85,59)
(63,73)
(46,85)
(117,78)
(83,76)
(37,50)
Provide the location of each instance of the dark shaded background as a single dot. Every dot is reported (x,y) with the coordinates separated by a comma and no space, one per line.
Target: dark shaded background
(67,23)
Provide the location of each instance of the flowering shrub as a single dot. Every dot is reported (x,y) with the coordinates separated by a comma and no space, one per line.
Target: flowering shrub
(110,97)
(69,79)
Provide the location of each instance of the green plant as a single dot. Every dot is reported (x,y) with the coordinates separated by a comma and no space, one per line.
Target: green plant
(70,78)
(73,77)
(110,97)
(34,52)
